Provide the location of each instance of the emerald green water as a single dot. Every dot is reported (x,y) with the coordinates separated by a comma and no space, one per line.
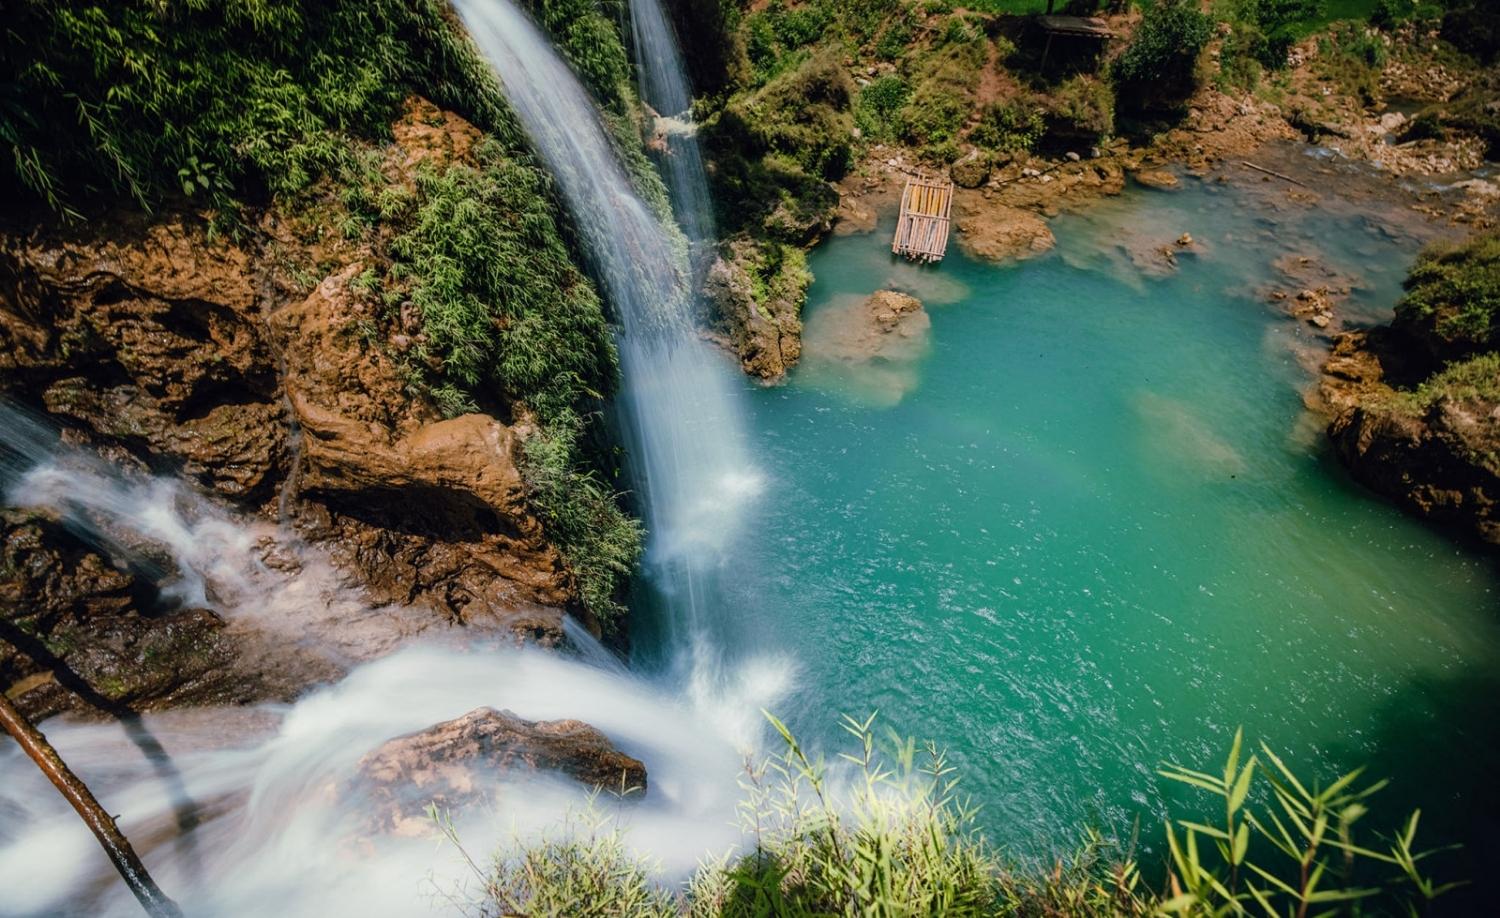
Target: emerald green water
(1087,527)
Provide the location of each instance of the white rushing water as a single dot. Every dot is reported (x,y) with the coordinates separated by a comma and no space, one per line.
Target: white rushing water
(259,811)
(681,405)
(663,84)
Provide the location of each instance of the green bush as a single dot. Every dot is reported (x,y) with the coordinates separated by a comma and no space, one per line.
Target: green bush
(895,838)
(220,101)
(503,309)
(587,37)
(804,114)
(1010,127)
(581,516)
(1452,301)
(1082,109)
(1161,57)
(942,93)
(878,110)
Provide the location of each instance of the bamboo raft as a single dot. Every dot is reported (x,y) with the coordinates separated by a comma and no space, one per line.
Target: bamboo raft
(922,231)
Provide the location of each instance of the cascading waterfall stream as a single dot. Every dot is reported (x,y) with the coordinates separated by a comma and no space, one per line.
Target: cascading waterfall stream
(662,82)
(262,812)
(685,430)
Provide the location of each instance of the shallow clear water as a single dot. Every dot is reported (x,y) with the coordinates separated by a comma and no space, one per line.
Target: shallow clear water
(1086,527)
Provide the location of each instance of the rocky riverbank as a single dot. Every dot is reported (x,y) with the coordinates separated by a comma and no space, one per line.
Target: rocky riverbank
(1340,89)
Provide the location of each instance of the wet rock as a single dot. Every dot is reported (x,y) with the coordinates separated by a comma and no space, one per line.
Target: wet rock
(81,632)
(1438,463)
(854,216)
(1159,179)
(442,502)
(1000,233)
(971,171)
(766,333)
(872,328)
(455,764)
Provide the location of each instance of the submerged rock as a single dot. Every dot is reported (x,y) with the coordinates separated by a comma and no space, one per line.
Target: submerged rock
(1000,233)
(455,764)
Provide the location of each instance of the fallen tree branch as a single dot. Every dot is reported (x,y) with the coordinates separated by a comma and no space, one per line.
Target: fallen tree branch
(1284,178)
(115,844)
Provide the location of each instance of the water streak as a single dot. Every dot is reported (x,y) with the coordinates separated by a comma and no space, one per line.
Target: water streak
(681,407)
(662,82)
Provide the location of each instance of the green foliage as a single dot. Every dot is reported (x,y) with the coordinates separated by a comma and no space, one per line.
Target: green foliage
(216,100)
(1452,298)
(878,110)
(885,832)
(586,35)
(581,516)
(1082,109)
(580,870)
(503,309)
(1160,60)
(803,114)
(1010,127)
(1305,853)
(943,93)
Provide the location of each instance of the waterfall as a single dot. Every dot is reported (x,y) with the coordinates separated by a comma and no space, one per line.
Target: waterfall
(684,427)
(663,85)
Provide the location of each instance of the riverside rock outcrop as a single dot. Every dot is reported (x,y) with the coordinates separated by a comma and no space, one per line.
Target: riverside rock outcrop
(454,764)
(759,318)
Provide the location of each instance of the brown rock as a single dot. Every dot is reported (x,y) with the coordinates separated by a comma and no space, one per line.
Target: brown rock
(1001,233)
(1159,179)
(765,333)
(454,764)
(971,171)
(146,335)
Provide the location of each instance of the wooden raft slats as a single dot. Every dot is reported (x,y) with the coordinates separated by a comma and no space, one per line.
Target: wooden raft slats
(922,231)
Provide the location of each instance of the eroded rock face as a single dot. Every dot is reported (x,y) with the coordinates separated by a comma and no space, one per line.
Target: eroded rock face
(79,630)
(444,498)
(174,352)
(147,336)
(454,764)
(765,333)
(1439,464)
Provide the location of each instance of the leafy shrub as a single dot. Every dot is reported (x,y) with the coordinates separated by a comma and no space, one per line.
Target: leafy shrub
(1452,301)
(589,41)
(503,308)
(895,40)
(895,838)
(1160,59)
(942,94)
(256,96)
(1081,109)
(878,110)
(803,114)
(1308,836)
(1010,127)
(581,516)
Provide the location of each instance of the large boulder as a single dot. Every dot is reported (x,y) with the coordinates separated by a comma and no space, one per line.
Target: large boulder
(1439,462)
(456,764)
(430,509)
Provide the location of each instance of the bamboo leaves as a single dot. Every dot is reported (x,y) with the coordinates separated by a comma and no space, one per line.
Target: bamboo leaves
(1317,868)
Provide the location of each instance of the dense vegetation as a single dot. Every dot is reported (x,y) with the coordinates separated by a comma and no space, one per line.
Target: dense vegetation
(233,109)
(885,832)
